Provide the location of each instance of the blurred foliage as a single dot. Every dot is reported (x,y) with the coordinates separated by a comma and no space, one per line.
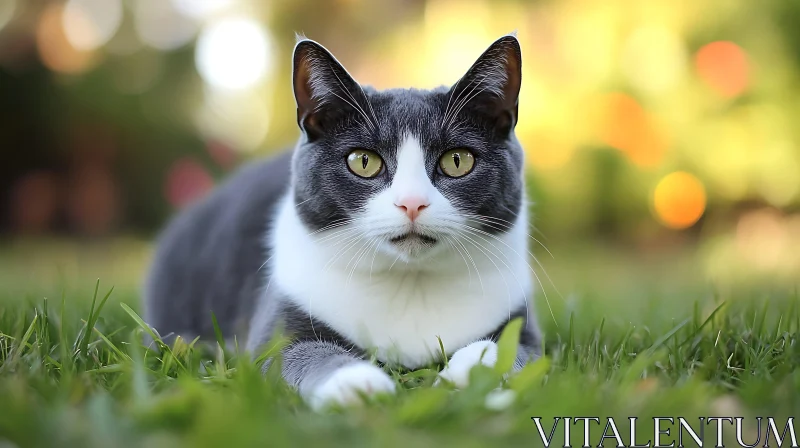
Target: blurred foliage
(647,124)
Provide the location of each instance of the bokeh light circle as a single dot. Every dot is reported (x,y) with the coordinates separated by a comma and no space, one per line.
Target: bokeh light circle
(200,9)
(679,200)
(629,127)
(234,53)
(55,50)
(90,24)
(723,66)
(239,118)
(161,26)
(653,58)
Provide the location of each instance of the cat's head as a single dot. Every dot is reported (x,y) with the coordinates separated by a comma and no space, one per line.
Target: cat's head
(408,171)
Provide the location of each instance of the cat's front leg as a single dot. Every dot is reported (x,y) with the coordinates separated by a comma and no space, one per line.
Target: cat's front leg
(480,352)
(320,363)
(484,351)
(327,374)
(464,359)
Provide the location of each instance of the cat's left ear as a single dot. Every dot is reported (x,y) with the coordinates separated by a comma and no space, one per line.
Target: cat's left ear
(323,89)
(491,86)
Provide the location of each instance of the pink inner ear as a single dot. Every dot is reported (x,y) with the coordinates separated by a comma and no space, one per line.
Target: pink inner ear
(302,80)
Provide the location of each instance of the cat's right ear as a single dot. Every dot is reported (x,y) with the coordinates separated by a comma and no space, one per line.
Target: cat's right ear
(321,86)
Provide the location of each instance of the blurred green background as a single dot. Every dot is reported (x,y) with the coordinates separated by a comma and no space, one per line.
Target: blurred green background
(660,134)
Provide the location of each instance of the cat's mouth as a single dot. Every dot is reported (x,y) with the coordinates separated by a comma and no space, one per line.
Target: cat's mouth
(413,237)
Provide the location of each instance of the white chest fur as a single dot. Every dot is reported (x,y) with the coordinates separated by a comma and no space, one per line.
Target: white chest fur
(402,309)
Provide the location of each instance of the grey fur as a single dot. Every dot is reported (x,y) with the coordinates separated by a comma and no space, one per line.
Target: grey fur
(212,257)
(209,257)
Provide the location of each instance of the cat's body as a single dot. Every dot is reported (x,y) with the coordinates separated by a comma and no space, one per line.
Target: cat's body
(212,256)
(398,221)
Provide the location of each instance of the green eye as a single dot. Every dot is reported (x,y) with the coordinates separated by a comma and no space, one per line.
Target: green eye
(364,163)
(457,162)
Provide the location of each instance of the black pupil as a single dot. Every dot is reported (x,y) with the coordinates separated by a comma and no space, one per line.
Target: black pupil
(457,159)
(364,160)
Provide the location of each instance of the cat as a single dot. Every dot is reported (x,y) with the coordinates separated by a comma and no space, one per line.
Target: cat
(397,221)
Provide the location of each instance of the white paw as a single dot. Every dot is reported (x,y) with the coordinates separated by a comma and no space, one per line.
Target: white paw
(500,399)
(345,386)
(463,360)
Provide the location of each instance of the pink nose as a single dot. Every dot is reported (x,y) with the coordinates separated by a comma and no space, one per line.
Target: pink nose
(412,206)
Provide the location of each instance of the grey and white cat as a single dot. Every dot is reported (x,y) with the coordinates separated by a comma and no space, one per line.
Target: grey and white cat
(398,219)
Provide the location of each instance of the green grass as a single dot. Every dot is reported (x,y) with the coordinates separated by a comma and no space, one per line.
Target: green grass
(74,372)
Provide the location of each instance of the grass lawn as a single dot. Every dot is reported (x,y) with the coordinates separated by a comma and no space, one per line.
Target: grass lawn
(627,337)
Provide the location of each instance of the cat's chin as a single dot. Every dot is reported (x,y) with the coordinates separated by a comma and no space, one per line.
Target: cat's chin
(414,246)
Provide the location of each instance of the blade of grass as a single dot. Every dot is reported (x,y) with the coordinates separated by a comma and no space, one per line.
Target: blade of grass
(708,319)
(93,316)
(23,342)
(660,341)
(146,328)
(217,331)
(507,346)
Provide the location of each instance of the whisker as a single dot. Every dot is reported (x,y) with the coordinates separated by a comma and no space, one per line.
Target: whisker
(395,261)
(355,102)
(461,94)
(351,242)
(360,253)
(465,102)
(475,265)
(524,295)
(303,202)
(488,257)
(369,104)
(374,253)
(333,225)
(454,247)
(264,264)
(467,98)
(535,258)
(475,231)
(374,242)
(536,276)
(358,109)
(449,98)
(335,234)
(508,226)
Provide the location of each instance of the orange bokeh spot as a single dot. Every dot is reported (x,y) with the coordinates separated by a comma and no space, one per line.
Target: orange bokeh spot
(679,200)
(55,51)
(723,66)
(545,151)
(625,125)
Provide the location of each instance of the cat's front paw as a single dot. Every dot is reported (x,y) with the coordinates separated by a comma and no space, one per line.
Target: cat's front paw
(463,360)
(347,385)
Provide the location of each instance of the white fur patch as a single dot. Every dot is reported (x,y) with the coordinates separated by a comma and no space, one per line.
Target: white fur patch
(399,301)
(345,386)
(463,360)
(411,179)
